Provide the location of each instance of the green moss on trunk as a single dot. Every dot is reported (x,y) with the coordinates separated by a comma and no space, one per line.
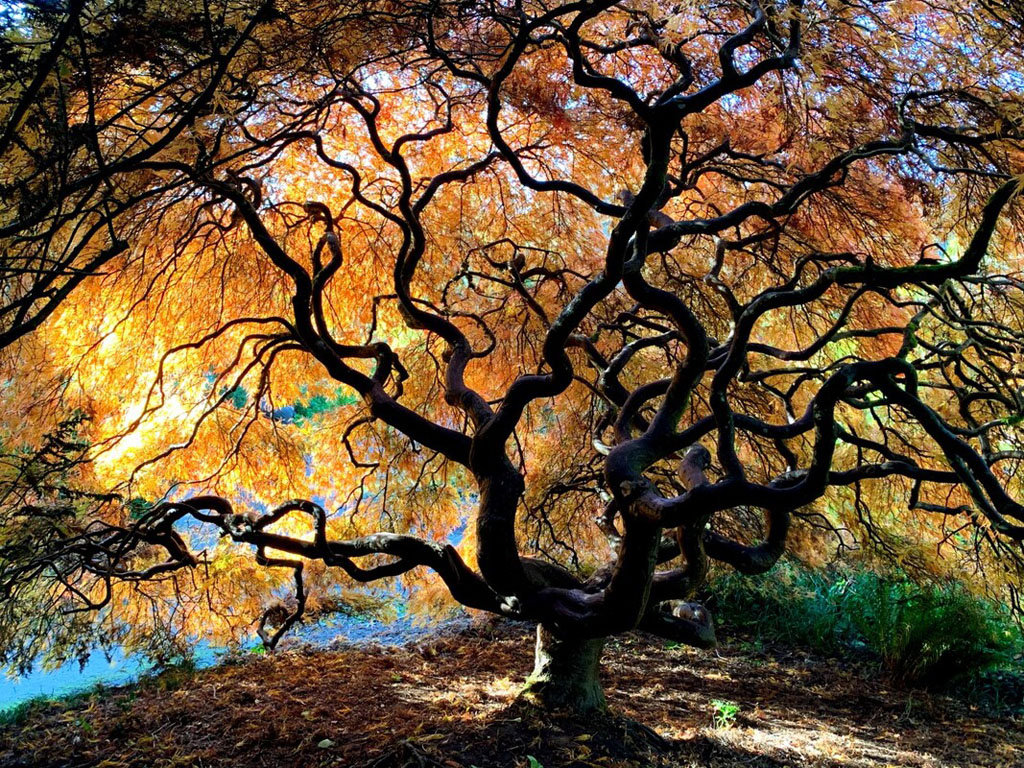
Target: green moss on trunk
(566,674)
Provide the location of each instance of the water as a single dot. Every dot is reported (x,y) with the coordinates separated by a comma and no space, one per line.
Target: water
(120,669)
(70,678)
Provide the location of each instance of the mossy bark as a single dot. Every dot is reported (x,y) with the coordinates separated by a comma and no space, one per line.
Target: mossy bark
(566,674)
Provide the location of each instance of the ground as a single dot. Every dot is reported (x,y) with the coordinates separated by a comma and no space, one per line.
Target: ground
(452,703)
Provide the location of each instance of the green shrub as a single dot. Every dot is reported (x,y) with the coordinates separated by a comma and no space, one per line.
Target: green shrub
(998,690)
(789,603)
(930,635)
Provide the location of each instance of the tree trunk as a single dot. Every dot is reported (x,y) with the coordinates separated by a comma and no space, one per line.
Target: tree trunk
(566,674)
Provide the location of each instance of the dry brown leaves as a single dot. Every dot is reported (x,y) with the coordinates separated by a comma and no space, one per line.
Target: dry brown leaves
(452,704)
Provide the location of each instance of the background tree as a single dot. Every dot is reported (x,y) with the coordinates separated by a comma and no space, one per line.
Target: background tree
(708,274)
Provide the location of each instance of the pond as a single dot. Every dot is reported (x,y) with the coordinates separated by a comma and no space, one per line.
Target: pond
(119,669)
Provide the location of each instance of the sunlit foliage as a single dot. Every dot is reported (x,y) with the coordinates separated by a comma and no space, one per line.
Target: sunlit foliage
(481,273)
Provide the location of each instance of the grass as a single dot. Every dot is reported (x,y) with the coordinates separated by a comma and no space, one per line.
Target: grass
(166,677)
(19,714)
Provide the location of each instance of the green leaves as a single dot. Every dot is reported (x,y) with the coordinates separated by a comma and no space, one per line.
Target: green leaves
(724,713)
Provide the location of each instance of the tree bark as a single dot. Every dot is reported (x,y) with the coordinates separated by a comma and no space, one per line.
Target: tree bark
(566,674)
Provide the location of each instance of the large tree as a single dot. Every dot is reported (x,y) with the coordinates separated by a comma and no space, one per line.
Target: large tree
(629,287)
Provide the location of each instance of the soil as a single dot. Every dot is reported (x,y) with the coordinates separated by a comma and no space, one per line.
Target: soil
(452,703)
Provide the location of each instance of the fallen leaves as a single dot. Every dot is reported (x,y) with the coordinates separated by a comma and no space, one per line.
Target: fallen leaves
(457,710)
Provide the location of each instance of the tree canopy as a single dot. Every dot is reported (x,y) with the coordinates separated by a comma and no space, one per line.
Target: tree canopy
(542,307)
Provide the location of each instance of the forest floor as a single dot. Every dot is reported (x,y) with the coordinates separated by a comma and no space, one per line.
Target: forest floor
(452,703)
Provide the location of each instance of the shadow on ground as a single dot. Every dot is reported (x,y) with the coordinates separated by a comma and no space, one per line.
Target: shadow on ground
(452,703)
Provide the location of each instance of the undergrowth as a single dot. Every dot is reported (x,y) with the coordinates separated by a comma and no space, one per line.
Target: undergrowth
(19,714)
(933,635)
(164,675)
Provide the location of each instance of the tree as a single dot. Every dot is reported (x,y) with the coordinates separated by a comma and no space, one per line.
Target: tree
(706,273)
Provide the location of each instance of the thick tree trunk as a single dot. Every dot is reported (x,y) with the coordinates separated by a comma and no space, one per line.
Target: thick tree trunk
(566,674)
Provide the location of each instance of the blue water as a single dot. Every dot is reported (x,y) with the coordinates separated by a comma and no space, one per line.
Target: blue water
(120,669)
(70,678)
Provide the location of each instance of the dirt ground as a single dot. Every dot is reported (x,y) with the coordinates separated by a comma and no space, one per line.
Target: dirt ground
(452,703)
